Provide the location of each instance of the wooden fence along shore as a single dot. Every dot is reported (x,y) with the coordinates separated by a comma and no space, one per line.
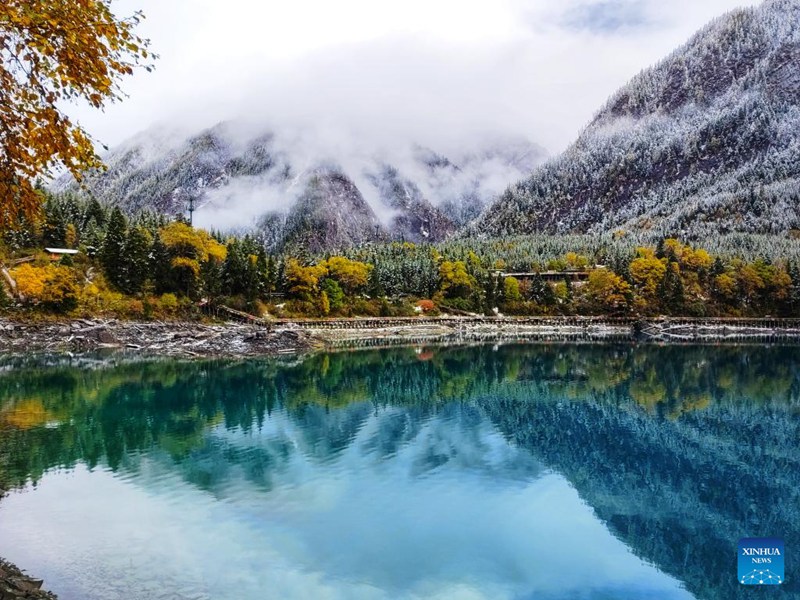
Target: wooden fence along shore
(478,328)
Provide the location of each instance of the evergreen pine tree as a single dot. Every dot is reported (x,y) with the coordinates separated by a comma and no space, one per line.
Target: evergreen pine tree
(94,212)
(211,277)
(272,275)
(671,290)
(136,260)
(660,249)
(374,287)
(54,228)
(160,268)
(234,269)
(568,285)
(252,280)
(718,268)
(540,291)
(280,278)
(92,239)
(262,270)
(113,248)
(489,294)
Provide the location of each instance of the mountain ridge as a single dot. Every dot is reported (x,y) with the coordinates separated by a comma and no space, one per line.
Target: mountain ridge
(704,142)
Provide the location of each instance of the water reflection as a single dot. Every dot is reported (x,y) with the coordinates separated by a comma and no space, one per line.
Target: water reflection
(524,471)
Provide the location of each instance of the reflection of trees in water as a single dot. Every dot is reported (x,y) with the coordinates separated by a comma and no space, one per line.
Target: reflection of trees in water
(60,415)
(681,450)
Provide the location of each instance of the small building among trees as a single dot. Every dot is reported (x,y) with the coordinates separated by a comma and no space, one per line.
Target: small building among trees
(551,276)
(59,253)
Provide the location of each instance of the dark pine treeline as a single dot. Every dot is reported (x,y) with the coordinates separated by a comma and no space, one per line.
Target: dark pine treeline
(150,266)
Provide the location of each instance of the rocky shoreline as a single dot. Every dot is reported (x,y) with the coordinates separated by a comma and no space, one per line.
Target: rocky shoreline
(15,585)
(169,339)
(256,338)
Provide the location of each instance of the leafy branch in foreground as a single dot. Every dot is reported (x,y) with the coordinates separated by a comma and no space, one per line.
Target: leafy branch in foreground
(52,52)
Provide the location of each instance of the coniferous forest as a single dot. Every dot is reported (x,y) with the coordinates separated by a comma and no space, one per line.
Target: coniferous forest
(148,266)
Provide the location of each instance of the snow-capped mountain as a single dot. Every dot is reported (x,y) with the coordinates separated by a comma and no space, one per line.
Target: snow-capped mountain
(706,142)
(295,198)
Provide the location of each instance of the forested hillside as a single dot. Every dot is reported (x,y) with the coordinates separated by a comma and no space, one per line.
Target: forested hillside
(705,143)
(153,267)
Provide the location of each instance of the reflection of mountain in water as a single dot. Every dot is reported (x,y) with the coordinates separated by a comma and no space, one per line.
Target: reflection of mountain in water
(459,436)
(680,494)
(680,450)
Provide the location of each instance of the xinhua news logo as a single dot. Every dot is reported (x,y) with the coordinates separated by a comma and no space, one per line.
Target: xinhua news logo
(761,561)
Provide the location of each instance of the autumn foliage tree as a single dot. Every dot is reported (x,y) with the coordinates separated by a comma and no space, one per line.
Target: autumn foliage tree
(607,292)
(351,275)
(647,272)
(189,250)
(455,281)
(303,281)
(53,286)
(52,52)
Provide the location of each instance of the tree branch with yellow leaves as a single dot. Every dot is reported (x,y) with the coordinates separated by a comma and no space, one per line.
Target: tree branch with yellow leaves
(52,52)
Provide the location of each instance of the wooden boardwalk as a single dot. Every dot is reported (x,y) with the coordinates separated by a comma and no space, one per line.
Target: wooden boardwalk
(530,328)
(643,324)
(389,322)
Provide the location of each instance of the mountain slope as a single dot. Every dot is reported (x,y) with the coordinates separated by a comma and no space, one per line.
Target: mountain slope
(415,218)
(331,214)
(706,142)
(292,194)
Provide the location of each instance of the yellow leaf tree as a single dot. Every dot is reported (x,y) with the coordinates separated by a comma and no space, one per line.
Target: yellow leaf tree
(53,286)
(606,291)
(303,282)
(455,281)
(184,240)
(351,274)
(647,272)
(52,52)
(189,249)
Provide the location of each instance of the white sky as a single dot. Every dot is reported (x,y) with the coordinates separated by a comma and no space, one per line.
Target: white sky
(424,71)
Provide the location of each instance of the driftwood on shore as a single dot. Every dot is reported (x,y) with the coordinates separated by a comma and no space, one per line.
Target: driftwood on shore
(377,332)
(153,338)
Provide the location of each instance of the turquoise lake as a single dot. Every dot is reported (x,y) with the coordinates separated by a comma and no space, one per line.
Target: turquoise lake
(549,471)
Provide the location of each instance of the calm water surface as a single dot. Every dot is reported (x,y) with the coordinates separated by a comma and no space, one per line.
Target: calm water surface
(513,472)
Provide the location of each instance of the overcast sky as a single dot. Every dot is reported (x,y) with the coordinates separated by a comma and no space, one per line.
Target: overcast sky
(427,71)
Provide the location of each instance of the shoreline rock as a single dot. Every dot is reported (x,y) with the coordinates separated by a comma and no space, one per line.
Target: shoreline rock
(15,585)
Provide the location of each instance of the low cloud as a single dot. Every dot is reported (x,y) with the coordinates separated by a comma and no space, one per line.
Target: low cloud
(608,16)
(477,169)
(356,82)
(421,72)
